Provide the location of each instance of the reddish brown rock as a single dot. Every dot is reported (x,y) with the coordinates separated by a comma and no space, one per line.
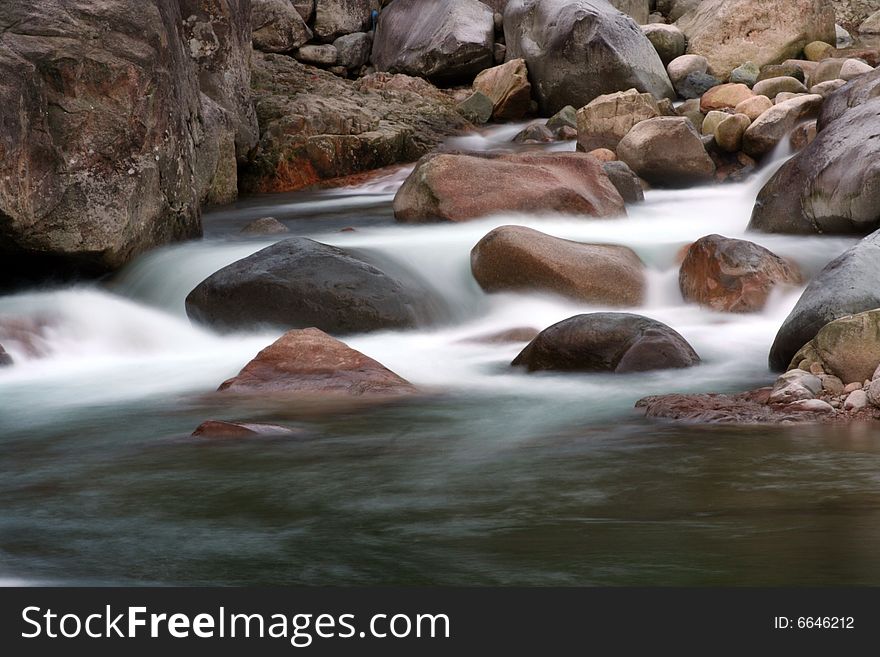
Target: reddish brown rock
(225,429)
(516,258)
(310,362)
(732,275)
(459,187)
(509,88)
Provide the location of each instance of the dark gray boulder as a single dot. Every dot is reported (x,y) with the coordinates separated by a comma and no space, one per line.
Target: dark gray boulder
(442,40)
(848,285)
(577,50)
(832,186)
(607,342)
(300,283)
(5,359)
(853,94)
(625,181)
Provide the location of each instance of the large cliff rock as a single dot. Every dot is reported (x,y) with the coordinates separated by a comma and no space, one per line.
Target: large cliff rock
(127,116)
(316,126)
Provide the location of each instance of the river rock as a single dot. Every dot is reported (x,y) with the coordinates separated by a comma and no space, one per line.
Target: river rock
(509,88)
(760,31)
(509,336)
(832,185)
(846,286)
(795,385)
(690,109)
(853,68)
(334,18)
(871,24)
(696,85)
(668,41)
(816,51)
(299,283)
(724,96)
(536,133)
(713,120)
(746,74)
(443,40)
(577,50)
(681,67)
(828,69)
(605,120)
(277,26)
(5,359)
(353,50)
(675,9)
(625,181)
(564,118)
(731,275)
(856,400)
(852,94)
(316,126)
(265,226)
(775,86)
(788,69)
(667,151)
(226,429)
(825,89)
(607,342)
(604,155)
(122,119)
(775,124)
(753,107)
(477,108)
(516,258)
(311,363)
(459,187)
(803,135)
(848,348)
(729,133)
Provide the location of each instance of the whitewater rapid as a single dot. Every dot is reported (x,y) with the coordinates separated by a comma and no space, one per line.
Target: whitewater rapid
(129,339)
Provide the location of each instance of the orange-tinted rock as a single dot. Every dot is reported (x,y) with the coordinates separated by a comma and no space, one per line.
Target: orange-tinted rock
(604,154)
(732,275)
(724,96)
(459,187)
(310,362)
(509,88)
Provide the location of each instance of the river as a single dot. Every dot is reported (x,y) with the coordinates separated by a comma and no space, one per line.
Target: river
(497,477)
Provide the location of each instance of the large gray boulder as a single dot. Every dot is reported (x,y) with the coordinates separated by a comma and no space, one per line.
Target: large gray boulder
(760,31)
(833,185)
(855,93)
(300,283)
(443,40)
(607,342)
(848,285)
(127,116)
(638,10)
(333,18)
(577,50)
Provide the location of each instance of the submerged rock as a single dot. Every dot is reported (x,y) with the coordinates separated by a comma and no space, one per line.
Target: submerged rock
(265,226)
(732,275)
(459,187)
(299,283)
(519,334)
(625,181)
(516,258)
(310,362)
(577,50)
(5,359)
(227,429)
(607,342)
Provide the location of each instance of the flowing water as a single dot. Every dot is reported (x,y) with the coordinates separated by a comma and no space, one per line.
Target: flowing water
(498,477)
